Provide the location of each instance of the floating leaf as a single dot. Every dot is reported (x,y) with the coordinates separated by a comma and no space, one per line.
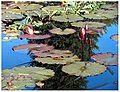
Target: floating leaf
(106,58)
(25,76)
(39,50)
(52,8)
(58,31)
(66,60)
(27,46)
(90,24)
(67,18)
(10,16)
(18,84)
(114,37)
(29,7)
(28,36)
(84,69)
(100,15)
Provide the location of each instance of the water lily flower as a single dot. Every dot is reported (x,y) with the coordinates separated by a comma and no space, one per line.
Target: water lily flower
(82,34)
(29,29)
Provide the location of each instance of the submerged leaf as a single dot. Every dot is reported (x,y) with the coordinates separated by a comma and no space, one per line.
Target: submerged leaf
(106,58)
(58,31)
(84,69)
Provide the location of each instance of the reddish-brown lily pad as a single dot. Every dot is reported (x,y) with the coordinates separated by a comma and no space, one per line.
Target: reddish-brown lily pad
(106,58)
(114,37)
(28,36)
(59,31)
(37,50)
(27,46)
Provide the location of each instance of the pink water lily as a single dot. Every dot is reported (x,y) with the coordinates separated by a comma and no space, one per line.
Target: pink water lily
(29,29)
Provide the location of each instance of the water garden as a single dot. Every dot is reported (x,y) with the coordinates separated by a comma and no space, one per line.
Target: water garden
(59,45)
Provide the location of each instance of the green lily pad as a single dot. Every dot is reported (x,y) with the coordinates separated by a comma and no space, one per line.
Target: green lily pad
(106,58)
(35,73)
(10,16)
(29,7)
(67,18)
(100,15)
(17,84)
(84,69)
(49,60)
(52,8)
(66,31)
(90,24)
(114,37)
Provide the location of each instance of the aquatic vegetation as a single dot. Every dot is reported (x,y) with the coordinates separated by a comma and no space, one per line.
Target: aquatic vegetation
(24,76)
(10,34)
(59,31)
(28,36)
(10,16)
(90,24)
(58,60)
(84,69)
(114,37)
(67,18)
(106,58)
(74,28)
(27,46)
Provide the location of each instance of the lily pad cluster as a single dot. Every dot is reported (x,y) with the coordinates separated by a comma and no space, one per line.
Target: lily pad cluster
(59,31)
(114,37)
(21,77)
(84,68)
(10,34)
(106,58)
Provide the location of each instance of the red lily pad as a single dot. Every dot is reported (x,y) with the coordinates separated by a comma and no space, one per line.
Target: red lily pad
(27,46)
(28,36)
(106,58)
(114,37)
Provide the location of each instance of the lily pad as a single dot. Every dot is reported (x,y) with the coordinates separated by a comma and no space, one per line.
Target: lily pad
(99,15)
(49,60)
(24,76)
(58,31)
(67,18)
(39,50)
(52,8)
(29,7)
(106,58)
(29,36)
(90,24)
(84,69)
(10,16)
(114,37)
(17,84)
(27,46)
(53,53)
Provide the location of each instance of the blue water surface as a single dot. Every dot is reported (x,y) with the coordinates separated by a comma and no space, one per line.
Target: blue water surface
(12,58)
(106,81)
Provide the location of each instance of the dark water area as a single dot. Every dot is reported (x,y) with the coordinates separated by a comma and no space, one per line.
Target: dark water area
(104,81)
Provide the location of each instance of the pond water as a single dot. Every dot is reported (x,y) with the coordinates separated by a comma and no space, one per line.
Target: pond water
(103,81)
